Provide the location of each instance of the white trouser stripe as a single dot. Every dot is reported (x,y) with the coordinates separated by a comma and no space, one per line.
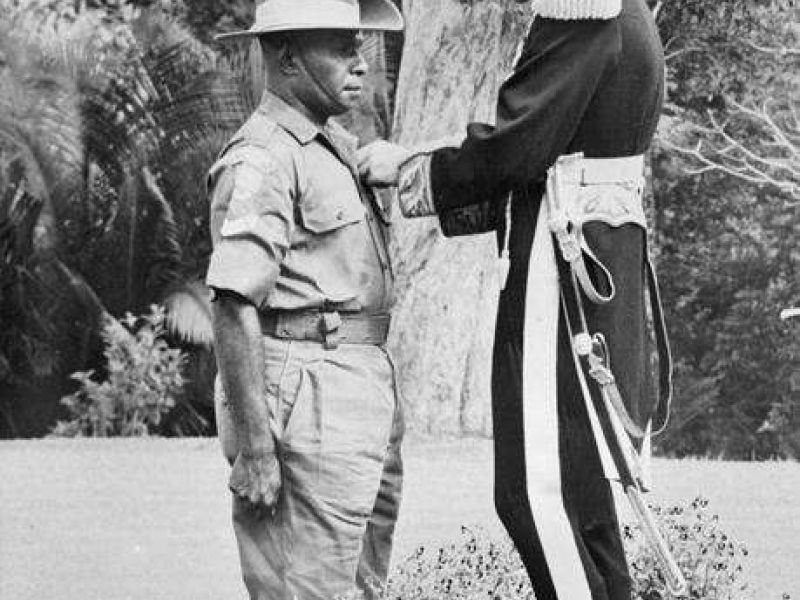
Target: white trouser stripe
(540,414)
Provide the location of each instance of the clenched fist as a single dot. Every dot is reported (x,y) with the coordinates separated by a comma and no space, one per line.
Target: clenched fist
(256,478)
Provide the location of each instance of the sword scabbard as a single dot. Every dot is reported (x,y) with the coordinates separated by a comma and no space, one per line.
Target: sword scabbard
(673,576)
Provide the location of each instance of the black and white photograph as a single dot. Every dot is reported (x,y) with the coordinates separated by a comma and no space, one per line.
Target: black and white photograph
(399,299)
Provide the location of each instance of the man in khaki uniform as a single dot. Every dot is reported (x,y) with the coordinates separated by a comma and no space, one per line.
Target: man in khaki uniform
(307,407)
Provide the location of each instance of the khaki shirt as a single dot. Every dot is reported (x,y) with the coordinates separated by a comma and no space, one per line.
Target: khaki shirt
(291,226)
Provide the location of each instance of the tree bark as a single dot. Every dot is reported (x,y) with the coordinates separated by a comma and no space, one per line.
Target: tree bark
(455,57)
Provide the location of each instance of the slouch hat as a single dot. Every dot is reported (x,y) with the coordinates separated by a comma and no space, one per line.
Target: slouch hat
(274,16)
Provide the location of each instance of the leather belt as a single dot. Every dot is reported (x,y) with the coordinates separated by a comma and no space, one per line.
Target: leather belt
(331,328)
(580,190)
(607,190)
(576,168)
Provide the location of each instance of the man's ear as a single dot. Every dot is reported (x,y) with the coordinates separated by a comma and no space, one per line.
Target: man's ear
(287,60)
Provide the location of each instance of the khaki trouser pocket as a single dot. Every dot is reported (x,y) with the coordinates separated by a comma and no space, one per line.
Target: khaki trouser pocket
(336,411)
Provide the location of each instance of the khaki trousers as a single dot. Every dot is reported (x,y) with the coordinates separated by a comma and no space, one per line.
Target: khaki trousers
(338,423)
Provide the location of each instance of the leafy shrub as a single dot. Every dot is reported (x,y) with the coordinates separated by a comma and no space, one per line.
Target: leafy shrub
(711,561)
(142,380)
(479,567)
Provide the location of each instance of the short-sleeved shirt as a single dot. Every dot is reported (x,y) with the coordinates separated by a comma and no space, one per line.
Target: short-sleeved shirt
(291,226)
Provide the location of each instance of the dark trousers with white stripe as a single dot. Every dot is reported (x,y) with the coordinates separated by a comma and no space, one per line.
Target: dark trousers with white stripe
(587,497)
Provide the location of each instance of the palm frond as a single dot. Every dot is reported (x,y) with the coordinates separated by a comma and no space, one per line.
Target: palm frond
(155,106)
(84,293)
(20,212)
(25,333)
(39,120)
(39,116)
(160,238)
(189,313)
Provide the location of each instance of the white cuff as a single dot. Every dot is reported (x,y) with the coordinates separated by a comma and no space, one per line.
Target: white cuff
(578,9)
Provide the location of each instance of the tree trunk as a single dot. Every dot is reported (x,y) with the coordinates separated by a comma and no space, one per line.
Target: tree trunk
(456,55)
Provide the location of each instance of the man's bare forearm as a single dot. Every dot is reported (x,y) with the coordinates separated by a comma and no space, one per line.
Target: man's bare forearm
(237,335)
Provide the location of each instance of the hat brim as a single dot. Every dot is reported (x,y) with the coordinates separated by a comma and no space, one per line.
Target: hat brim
(376,15)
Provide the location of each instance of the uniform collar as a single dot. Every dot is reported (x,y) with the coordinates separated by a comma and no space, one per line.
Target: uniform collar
(342,140)
(303,130)
(288,117)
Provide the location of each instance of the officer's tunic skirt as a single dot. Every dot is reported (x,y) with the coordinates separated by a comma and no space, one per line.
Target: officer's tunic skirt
(579,86)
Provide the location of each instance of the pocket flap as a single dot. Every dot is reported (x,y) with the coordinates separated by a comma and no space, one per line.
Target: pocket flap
(331,213)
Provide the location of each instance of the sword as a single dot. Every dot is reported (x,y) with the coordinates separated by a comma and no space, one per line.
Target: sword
(632,476)
(592,357)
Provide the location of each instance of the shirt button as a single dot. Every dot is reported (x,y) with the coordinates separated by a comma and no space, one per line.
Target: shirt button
(340,215)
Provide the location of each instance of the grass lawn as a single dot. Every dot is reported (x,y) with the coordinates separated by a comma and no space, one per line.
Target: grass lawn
(148,519)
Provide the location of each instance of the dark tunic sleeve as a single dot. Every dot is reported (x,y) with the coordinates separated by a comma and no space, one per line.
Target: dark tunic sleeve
(539,110)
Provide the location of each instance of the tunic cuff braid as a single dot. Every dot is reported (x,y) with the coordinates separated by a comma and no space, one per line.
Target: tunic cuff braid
(414,182)
(414,187)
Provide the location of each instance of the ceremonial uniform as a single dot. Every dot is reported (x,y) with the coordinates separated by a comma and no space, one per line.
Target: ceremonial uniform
(589,80)
(296,235)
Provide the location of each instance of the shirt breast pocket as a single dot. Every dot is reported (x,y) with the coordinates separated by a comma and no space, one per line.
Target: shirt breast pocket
(329,214)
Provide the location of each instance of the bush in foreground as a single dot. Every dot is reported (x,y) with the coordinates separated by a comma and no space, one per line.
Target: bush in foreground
(479,567)
(143,378)
(712,562)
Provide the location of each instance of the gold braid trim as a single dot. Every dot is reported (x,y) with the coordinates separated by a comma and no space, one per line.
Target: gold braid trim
(414,187)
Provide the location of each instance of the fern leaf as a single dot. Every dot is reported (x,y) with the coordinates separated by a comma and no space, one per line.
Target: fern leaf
(189,314)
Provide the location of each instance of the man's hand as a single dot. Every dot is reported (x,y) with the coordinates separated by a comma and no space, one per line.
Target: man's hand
(256,478)
(379,162)
(256,475)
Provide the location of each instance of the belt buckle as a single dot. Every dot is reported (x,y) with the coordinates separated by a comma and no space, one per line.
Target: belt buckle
(329,324)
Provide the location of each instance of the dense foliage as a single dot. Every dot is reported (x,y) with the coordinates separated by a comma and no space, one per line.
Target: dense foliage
(111,119)
(726,183)
(481,566)
(142,380)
